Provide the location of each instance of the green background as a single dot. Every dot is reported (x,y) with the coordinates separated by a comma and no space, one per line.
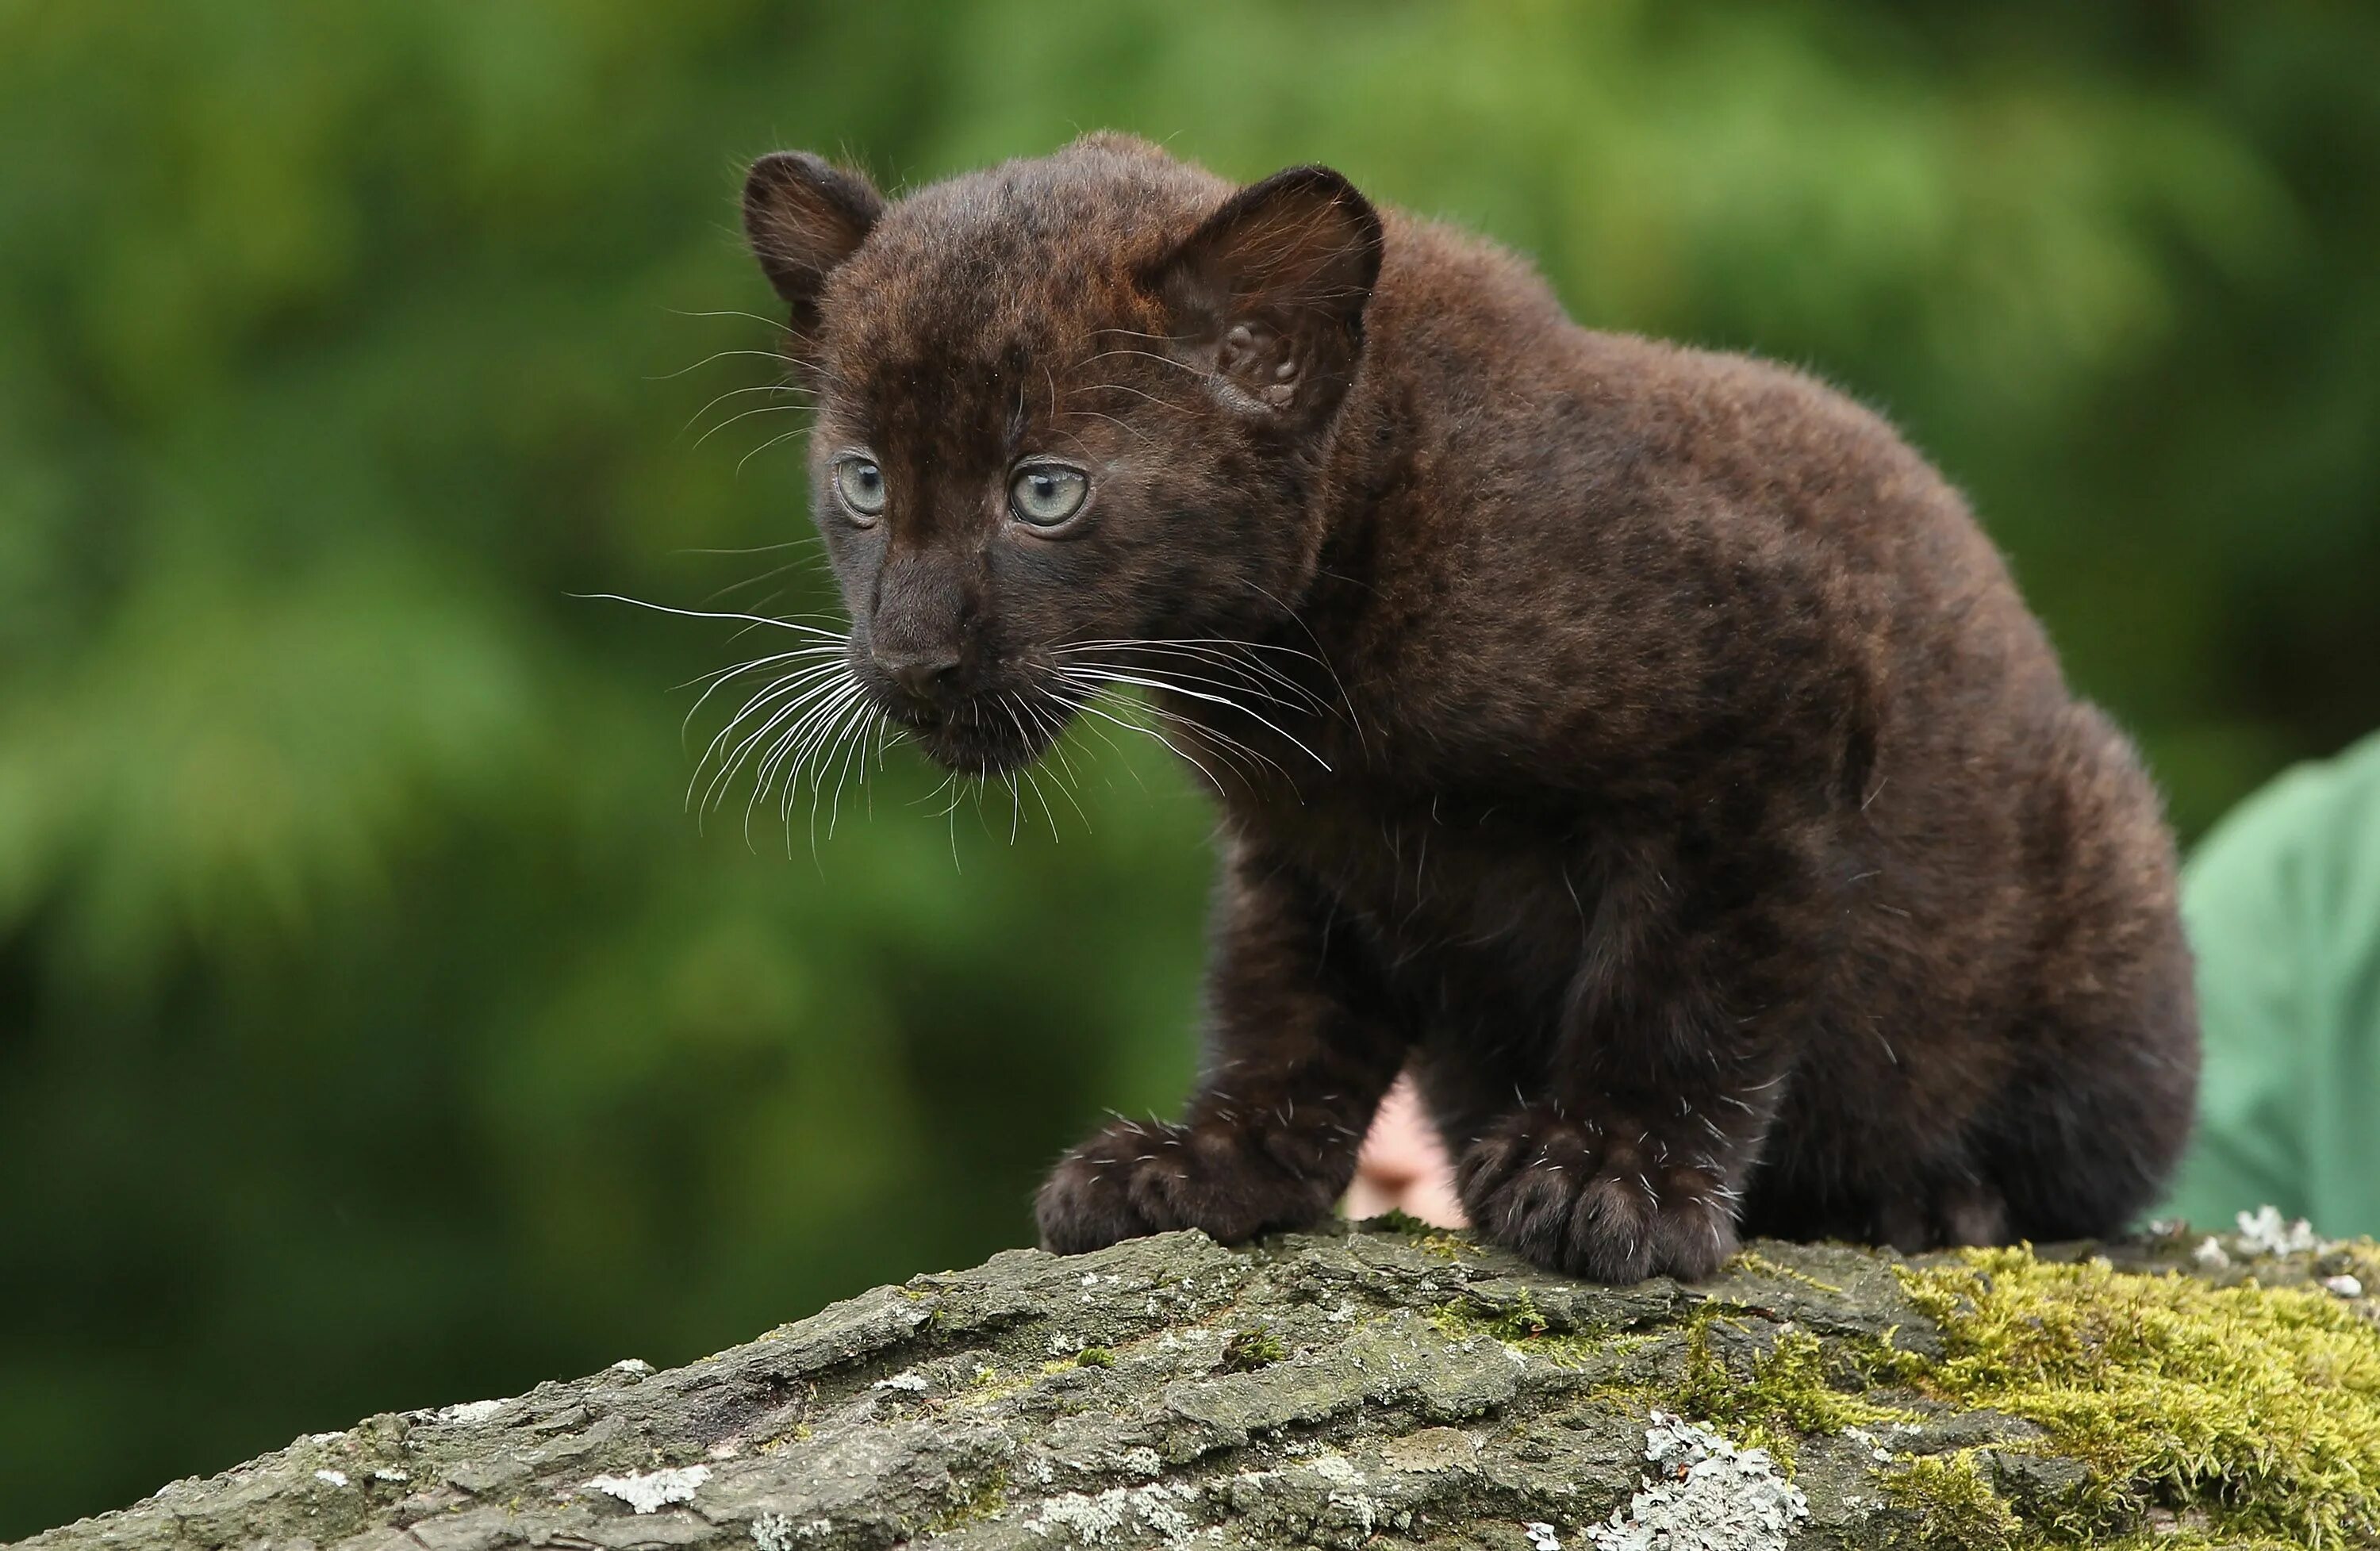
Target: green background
(377,1031)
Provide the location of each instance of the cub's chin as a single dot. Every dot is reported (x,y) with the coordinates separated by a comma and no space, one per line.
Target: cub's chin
(974,740)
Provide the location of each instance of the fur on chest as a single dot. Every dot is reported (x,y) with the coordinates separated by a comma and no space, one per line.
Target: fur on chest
(1446,897)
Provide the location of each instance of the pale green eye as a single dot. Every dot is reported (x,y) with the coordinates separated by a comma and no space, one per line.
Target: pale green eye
(1045,494)
(861,485)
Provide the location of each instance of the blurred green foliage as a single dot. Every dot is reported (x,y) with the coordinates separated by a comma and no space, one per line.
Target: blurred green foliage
(376,1029)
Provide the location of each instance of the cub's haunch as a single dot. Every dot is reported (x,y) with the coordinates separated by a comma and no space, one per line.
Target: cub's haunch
(1642,746)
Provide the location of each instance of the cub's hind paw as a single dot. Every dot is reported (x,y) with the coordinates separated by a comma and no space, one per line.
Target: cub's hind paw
(1132,1179)
(1601,1201)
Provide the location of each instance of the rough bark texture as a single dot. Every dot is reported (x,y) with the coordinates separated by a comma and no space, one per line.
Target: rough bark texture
(1334,1389)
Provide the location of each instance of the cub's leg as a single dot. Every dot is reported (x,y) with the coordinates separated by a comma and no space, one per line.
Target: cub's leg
(1298,1061)
(1630,1155)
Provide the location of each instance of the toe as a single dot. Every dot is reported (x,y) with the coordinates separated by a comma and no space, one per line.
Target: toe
(1692,1239)
(1610,1239)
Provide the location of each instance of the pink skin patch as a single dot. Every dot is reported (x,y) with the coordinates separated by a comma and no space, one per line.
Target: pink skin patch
(1403,1167)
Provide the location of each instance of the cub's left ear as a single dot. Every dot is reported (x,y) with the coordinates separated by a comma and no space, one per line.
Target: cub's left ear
(1270,292)
(803,216)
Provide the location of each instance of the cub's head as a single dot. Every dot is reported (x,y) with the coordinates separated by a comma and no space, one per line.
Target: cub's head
(1066,409)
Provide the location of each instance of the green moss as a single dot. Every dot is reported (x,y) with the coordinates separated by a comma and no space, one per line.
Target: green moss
(971,1503)
(2170,1538)
(1437,1240)
(1251,1349)
(2256,1407)
(1519,1321)
(1753,1263)
(1790,1393)
(1520,1326)
(2202,1415)
(1095,1357)
(988,1386)
(1947,1502)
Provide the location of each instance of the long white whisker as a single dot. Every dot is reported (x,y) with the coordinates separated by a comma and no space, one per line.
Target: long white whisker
(802,743)
(796,711)
(723,675)
(1055,733)
(753,548)
(746,415)
(716,356)
(782,436)
(730,312)
(794,688)
(1243,757)
(1246,681)
(870,718)
(1048,815)
(1128,388)
(708,613)
(1010,703)
(1143,437)
(821,688)
(1068,708)
(768,575)
(789,731)
(733,393)
(784,758)
(1225,641)
(1146,355)
(1142,334)
(885,734)
(777,759)
(1153,732)
(1324,658)
(847,726)
(1152,681)
(1238,755)
(1226,655)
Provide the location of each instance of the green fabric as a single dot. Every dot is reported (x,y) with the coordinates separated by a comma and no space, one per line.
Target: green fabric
(2282,903)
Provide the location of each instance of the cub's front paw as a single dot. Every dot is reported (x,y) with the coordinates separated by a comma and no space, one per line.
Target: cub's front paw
(1130,1180)
(1600,1201)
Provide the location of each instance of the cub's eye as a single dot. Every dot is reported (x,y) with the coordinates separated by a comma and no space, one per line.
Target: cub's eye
(861,485)
(1046,495)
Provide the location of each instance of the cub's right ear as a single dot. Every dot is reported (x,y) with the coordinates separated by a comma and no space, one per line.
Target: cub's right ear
(1270,294)
(803,216)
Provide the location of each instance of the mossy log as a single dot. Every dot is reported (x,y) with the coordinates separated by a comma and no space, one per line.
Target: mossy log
(1389,1385)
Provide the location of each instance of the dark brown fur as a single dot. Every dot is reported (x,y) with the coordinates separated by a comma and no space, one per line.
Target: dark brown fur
(1706,823)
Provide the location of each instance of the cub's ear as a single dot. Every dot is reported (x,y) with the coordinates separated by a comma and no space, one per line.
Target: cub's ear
(1270,292)
(803,216)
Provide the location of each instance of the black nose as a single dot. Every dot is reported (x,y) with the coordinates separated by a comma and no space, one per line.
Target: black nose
(920,675)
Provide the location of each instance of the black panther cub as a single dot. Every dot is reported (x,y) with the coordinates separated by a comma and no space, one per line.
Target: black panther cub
(1642,746)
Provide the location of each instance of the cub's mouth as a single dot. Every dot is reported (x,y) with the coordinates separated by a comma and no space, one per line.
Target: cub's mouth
(978,738)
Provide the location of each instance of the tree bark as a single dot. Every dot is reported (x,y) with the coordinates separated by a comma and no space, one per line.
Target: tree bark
(1380,1382)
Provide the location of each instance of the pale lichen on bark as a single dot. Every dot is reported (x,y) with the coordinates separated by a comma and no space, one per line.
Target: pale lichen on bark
(1380,1385)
